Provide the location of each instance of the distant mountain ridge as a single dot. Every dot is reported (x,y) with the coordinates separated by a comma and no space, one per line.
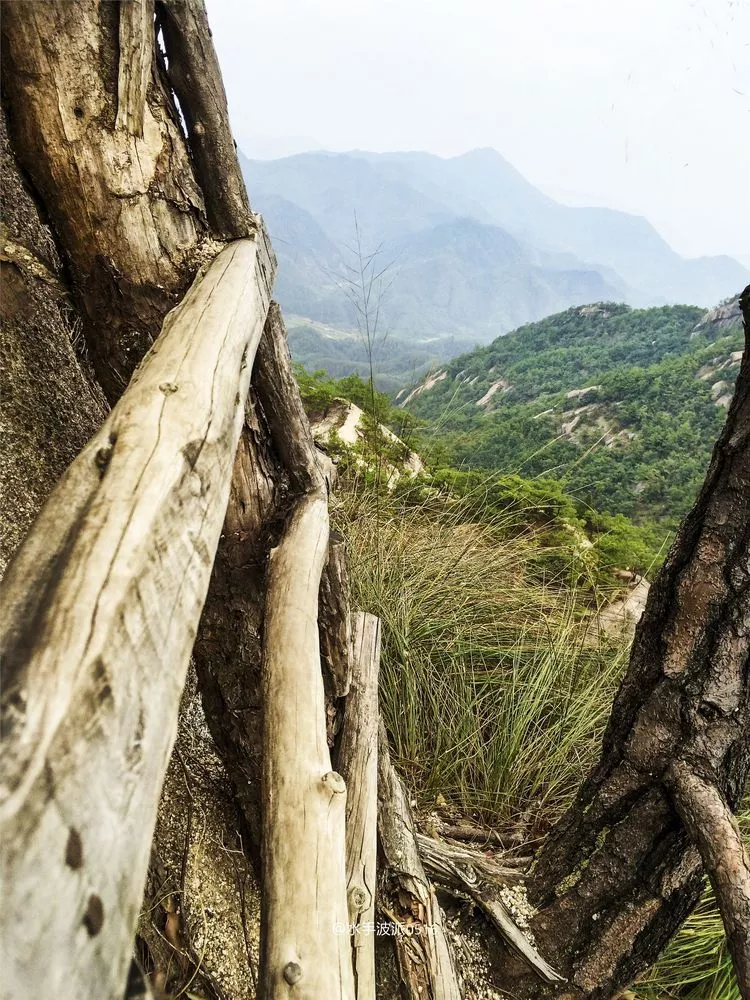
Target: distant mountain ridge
(477,249)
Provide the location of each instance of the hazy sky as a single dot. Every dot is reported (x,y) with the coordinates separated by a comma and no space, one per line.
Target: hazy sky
(642,105)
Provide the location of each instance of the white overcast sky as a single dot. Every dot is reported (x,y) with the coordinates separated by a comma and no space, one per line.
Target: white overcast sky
(642,105)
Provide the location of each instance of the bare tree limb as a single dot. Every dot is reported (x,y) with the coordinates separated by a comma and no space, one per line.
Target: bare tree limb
(424,952)
(196,77)
(714,830)
(304,936)
(458,871)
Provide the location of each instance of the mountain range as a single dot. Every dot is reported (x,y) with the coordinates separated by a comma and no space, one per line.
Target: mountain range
(473,250)
(623,405)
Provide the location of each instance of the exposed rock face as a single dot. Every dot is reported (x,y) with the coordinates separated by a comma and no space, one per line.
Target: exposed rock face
(425,386)
(722,317)
(346,421)
(621,616)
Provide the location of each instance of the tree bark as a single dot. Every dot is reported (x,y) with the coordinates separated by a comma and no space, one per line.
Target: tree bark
(99,612)
(194,73)
(714,831)
(618,875)
(49,403)
(111,168)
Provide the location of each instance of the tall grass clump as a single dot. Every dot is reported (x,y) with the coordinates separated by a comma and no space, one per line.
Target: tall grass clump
(495,681)
(494,685)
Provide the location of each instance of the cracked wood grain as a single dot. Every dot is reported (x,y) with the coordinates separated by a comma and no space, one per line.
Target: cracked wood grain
(358,764)
(100,608)
(136,37)
(457,871)
(304,920)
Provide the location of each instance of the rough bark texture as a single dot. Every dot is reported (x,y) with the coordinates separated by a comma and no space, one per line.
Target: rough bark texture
(123,200)
(357,762)
(99,612)
(335,620)
(618,875)
(49,404)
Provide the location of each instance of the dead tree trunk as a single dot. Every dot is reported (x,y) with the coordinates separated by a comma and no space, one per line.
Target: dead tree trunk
(304,930)
(358,764)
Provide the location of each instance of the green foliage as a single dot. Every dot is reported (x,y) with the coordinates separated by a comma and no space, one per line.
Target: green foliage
(495,688)
(636,442)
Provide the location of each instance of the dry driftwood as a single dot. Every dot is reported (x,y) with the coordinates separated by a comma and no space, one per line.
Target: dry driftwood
(99,612)
(714,831)
(459,871)
(304,938)
(358,764)
(424,953)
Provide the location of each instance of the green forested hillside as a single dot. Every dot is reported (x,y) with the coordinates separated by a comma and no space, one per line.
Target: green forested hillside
(622,405)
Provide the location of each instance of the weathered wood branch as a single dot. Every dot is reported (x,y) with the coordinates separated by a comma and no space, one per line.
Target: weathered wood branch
(195,75)
(714,831)
(136,36)
(99,612)
(425,957)
(279,396)
(358,765)
(276,462)
(458,872)
(304,937)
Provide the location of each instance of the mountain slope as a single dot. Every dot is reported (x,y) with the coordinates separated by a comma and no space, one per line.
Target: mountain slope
(622,405)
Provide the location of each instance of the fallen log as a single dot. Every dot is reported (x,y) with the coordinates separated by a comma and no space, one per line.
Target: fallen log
(99,610)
